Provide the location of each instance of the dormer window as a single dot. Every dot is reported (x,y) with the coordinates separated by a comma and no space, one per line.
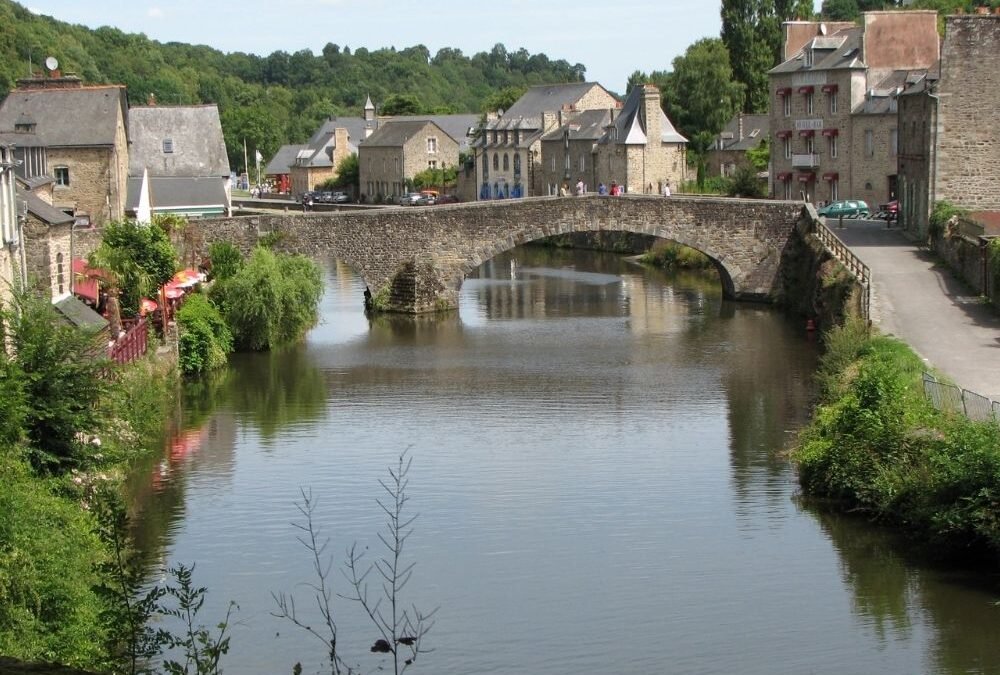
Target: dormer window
(168,145)
(809,58)
(25,127)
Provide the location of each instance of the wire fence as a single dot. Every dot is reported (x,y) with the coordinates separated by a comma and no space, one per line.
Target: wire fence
(949,398)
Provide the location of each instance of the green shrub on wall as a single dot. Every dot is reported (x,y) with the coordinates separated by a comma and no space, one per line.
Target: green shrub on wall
(205,340)
(942,213)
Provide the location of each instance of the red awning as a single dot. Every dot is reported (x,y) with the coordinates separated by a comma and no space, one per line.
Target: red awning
(807,89)
(86,280)
(831,132)
(785,133)
(784,176)
(833,175)
(806,133)
(783,91)
(829,88)
(807,177)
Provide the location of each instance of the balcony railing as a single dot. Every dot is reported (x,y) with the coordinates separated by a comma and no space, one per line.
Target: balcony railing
(810,161)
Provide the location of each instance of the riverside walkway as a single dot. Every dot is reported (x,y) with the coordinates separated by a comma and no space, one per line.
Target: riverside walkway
(920,301)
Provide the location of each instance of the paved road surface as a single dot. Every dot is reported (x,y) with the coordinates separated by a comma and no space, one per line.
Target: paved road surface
(919,300)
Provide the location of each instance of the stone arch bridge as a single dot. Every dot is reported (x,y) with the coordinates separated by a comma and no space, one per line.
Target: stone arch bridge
(414,259)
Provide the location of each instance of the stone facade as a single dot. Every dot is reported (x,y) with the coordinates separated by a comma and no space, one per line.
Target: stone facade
(917,131)
(386,166)
(833,113)
(48,252)
(10,226)
(414,260)
(97,181)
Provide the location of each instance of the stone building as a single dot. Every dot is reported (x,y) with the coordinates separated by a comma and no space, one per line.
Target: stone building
(641,150)
(180,154)
(279,168)
(396,152)
(948,119)
(508,150)
(80,137)
(729,150)
(833,109)
(340,137)
(11,244)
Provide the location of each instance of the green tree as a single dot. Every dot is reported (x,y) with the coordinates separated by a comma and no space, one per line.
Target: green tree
(760,156)
(746,32)
(139,257)
(502,99)
(401,104)
(348,172)
(61,382)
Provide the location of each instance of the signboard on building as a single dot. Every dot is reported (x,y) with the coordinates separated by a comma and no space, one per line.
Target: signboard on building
(814,124)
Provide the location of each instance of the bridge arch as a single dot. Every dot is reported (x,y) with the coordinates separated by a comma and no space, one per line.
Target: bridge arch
(414,259)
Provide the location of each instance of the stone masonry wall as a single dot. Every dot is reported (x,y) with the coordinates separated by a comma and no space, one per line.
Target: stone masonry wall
(424,254)
(90,181)
(968,160)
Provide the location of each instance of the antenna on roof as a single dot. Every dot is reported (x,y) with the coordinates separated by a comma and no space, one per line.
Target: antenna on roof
(822,29)
(53,66)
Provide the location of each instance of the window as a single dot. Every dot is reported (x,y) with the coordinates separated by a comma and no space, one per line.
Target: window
(833,147)
(432,164)
(552,164)
(869,143)
(788,147)
(517,164)
(811,145)
(788,189)
(833,102)
(893,142)
(486,166)
(834,190)
(168,145)
(496,161)
(506,162)
(810,103)
(60,277)
(395,165)
(583,162)
(432,145)
(62,176)
(786,102)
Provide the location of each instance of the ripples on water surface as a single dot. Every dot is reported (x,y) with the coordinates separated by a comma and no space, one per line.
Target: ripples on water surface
(597,471)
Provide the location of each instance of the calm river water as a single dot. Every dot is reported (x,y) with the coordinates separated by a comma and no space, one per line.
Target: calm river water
(598,472)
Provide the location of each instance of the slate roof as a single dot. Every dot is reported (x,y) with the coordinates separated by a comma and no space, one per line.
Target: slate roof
(456,126)
(589,124)
(175,192)
(283,160)
(629,124)
(838,51)
(394,133)
(319,150)
(41,209)
(79,314)
(74,117)
(195,136)
(878,99)
(547,98)
(21,140)
(761,124)
(35,182)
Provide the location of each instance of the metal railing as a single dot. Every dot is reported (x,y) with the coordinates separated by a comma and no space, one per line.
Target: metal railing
(839,250)
(954,399)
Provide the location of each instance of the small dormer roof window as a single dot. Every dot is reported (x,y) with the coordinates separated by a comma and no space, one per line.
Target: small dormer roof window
(25,124)
(168,145)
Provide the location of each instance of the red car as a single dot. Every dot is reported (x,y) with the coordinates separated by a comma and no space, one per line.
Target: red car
(889,211)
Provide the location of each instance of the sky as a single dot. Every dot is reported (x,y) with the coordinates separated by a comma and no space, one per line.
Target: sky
(612,38)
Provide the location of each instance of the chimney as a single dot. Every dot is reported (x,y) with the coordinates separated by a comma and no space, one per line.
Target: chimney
(549,121)
(151,99)
(340,144)
(651,114)
(57,81)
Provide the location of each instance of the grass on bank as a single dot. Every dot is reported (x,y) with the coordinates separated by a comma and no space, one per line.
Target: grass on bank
(877,445)
(670,255)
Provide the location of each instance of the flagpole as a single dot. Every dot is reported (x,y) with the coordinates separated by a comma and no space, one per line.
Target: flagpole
(246,164)
(256,156)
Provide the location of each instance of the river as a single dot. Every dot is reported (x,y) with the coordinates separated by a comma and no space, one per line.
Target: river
(599,475)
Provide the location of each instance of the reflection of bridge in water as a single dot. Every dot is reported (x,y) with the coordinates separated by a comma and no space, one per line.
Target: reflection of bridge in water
(414,259)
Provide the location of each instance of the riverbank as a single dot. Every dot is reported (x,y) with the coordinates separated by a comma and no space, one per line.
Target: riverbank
(877,445)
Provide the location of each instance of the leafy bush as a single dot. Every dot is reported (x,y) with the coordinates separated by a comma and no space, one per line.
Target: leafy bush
(877,445)
(205,340)
(745,183)
(271,301)
(226,259)
(48,610)
(60,381)
(943,212)
(671,255)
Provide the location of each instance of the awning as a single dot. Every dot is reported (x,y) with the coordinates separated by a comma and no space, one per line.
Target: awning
(783,91)
(807,133)
(807,177)
(832,175)
(829,88)
(86,280)
(784,176)
(831,132)
(784,133)
(807,89)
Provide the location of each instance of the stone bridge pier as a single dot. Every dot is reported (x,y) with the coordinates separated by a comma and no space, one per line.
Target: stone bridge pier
(414,259)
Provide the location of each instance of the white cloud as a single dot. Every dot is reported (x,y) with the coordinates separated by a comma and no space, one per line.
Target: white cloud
(154,13)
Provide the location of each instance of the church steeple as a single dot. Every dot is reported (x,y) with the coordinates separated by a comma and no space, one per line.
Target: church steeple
(369,110)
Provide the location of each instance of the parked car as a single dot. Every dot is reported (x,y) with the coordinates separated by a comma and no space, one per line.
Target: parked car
(325,197)
(309,196)
(888,211)
(427,199)
(448,199)
(409,199)
(340,198)
(847,208)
